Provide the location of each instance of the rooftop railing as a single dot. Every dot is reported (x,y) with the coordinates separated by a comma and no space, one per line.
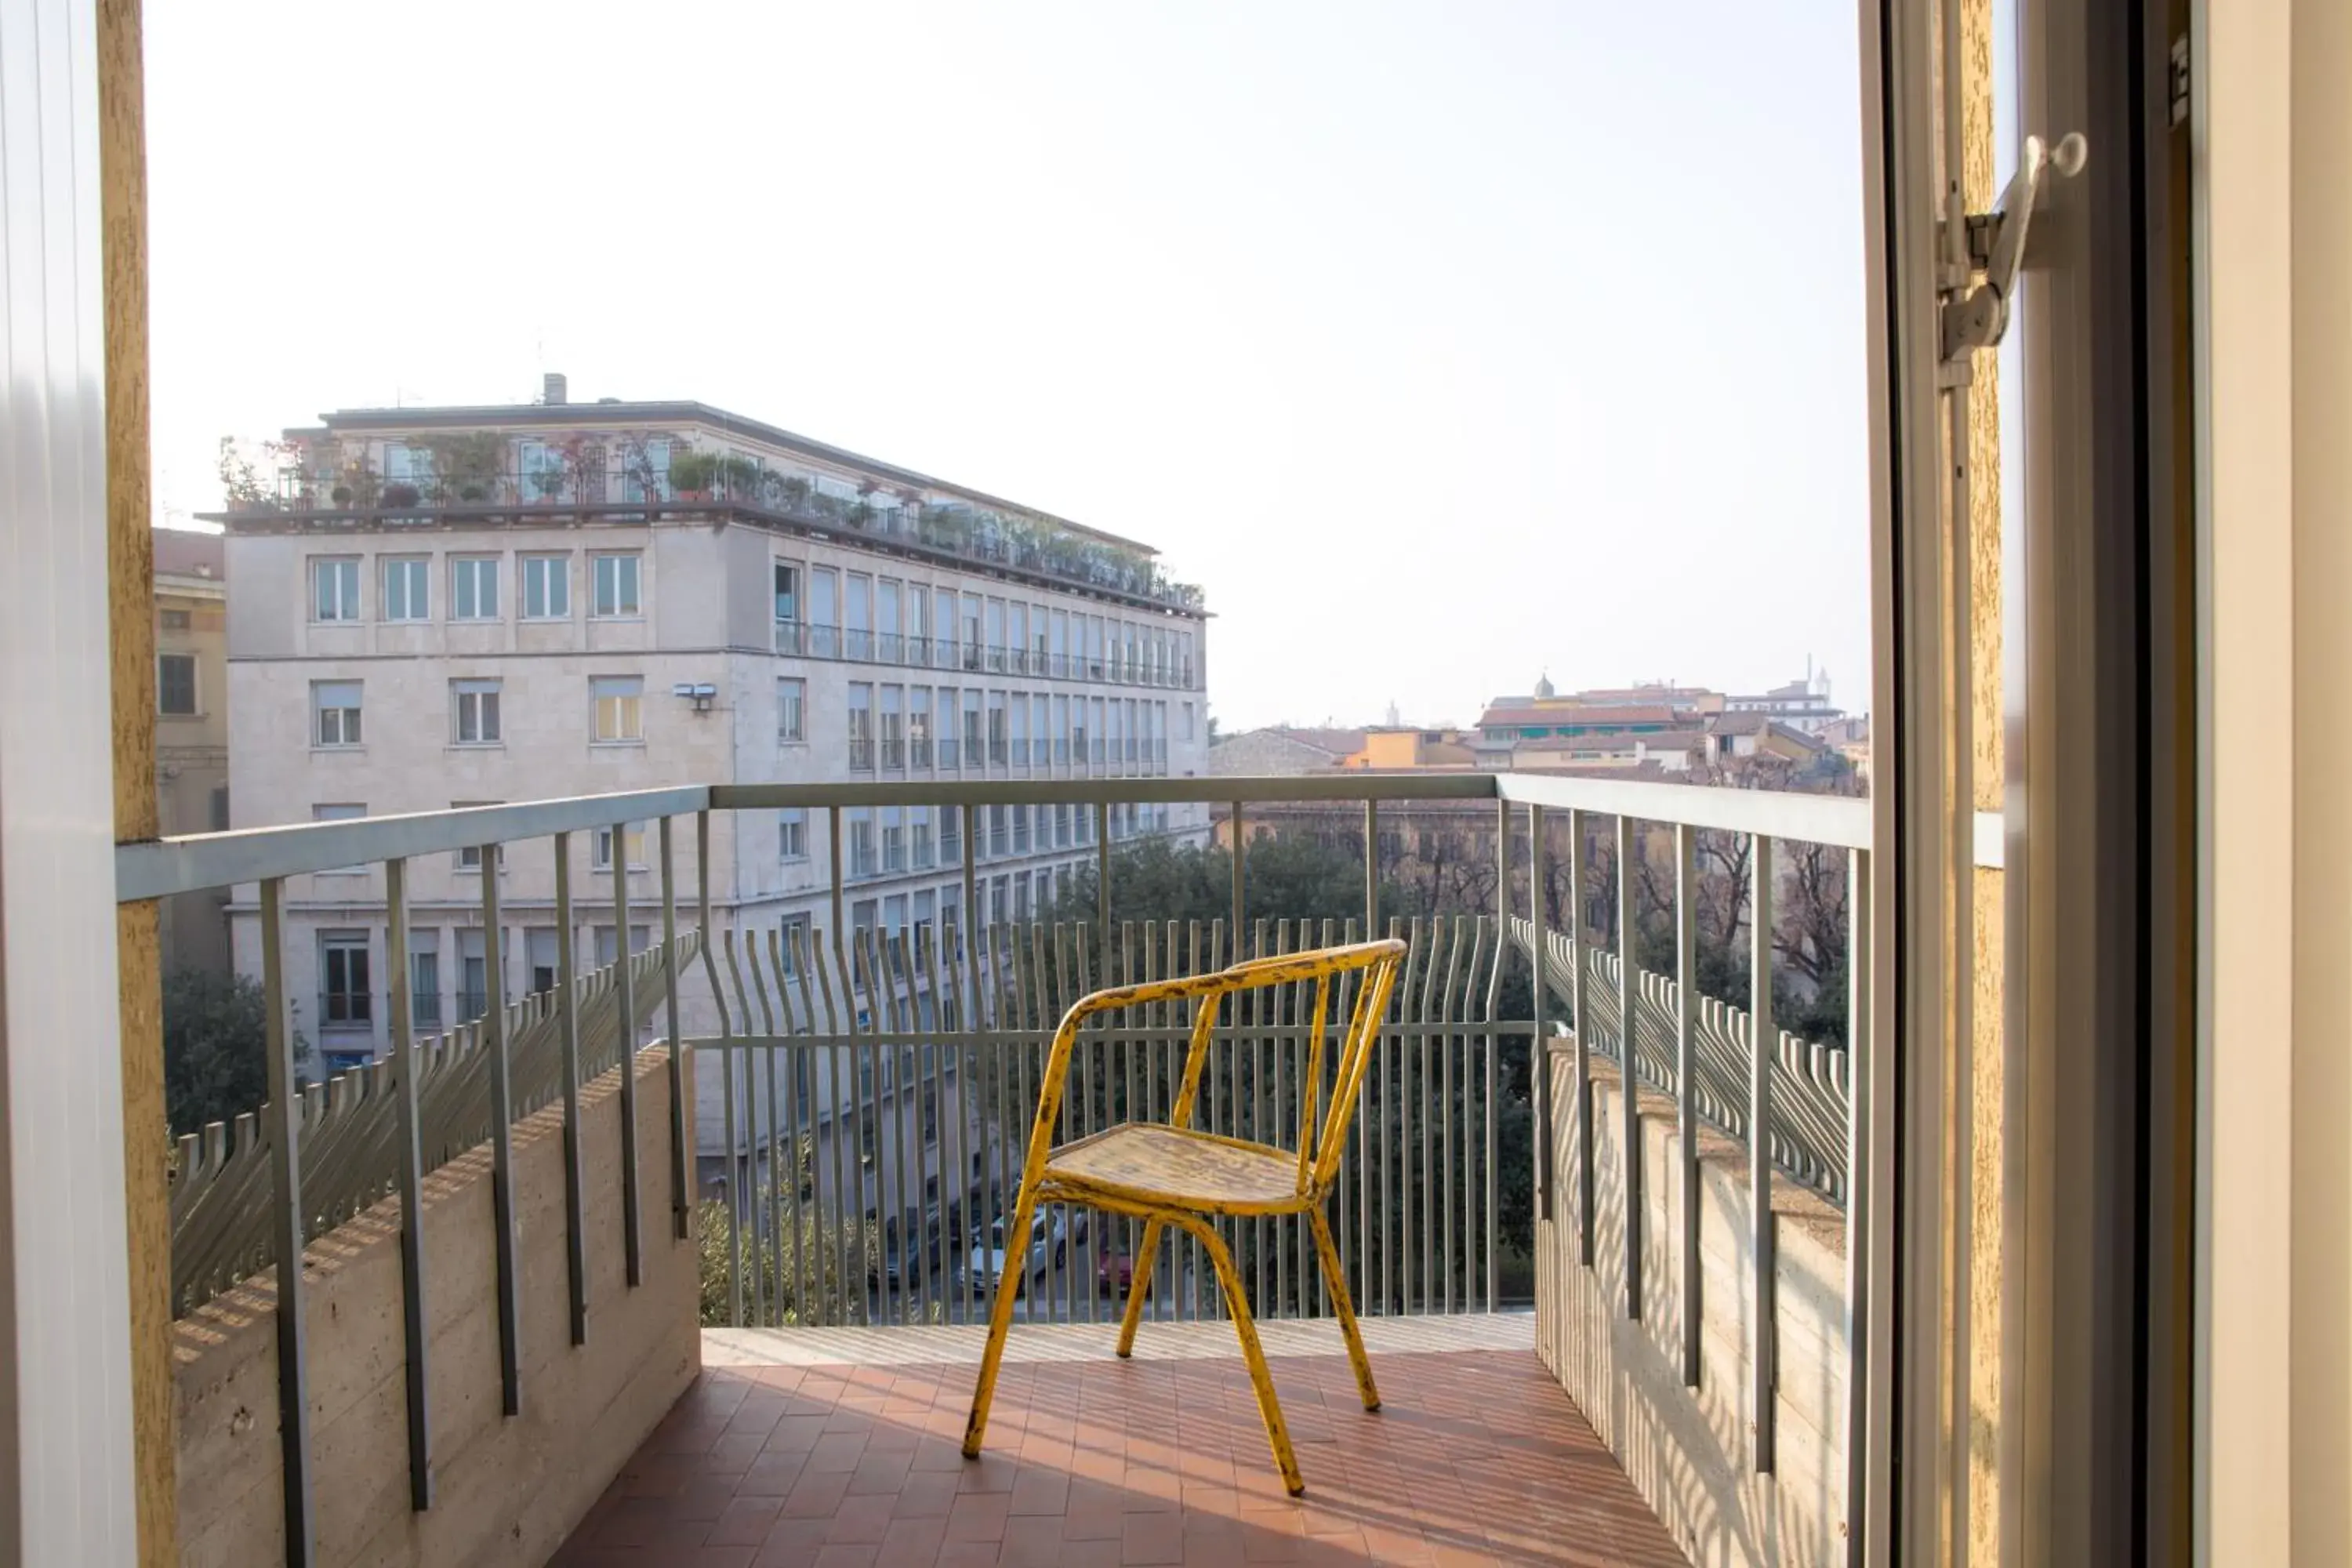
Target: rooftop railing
(875,1084)
(950,531)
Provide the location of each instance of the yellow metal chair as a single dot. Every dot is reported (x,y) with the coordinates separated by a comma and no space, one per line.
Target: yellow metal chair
(1169,1174)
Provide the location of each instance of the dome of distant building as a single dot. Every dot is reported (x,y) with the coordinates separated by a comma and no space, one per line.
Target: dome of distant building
(1544,687)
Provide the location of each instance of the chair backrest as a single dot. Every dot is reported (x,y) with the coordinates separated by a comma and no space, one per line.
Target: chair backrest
(1371,966)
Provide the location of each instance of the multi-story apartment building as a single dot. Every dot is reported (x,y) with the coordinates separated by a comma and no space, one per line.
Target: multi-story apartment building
(192,727)
(474,605)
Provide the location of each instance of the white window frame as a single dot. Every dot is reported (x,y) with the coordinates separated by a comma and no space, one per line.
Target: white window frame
(350,727)
(600,846)
(792,710)
(471,860)
(342,607)
(340,811)
(554,572)
(627,692)
(792,833)
(195,708)
(459,693)
(466,572)
(411,602)
(625,570)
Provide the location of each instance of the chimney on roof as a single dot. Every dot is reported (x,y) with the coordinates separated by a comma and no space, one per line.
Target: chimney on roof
(555,391)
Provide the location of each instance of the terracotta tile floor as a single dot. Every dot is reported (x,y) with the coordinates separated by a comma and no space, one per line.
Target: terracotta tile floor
(840,1447)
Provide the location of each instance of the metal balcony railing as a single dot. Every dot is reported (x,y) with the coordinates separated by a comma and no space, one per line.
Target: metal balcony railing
(612,483)
(1420,1212)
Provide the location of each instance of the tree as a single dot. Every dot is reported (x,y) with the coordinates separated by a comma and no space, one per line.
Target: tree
(808,1251)
(215,1060)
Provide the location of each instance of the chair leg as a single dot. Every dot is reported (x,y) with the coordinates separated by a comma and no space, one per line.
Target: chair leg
(1229,1277)
(1336,1279)
(1139,1286)
(1010,1278)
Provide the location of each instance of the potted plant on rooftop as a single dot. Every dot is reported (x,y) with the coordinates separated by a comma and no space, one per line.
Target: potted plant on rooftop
(740,477)
(691,473)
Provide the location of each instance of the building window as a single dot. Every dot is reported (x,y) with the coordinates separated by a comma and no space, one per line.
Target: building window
(335,590)
(175,620)
(473,974)
(477,711)
(1184,725)
(918,726)
(616,586)
(344,1000)
(543,957)
(406,595)
(997,745)
(619,709)
(894,838)
(471,860)
(950,834)
(640,939)
(1041,720)
(475,587)
(861,727)
(825,611)
(220,809)
(424,980)
(894,727)
(788,591)
(176,684)
(862,859)
(600,853)
(335,714)
(971,736)
(792,835)
(344,813)
(546,587)
(792,706)
(919,818)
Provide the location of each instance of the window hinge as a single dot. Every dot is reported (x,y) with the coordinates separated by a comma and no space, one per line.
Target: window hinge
(1996,246)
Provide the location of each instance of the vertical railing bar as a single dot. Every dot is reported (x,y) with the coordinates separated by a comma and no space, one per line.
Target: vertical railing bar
(1271,1236)
(1687,1089)
(833,1092)
(286,1227)
(1344,1232)
(502,1200)
(412,1188)
(865,1022)
(1240,854)
(947,1115)
(1077,1117)
(808,1217)
(726,1072)
(1763,1238)
(681,1181)
(567,1002)
(1171,1014)
(1445,1112)
(1629,844)
(1491,1174)
(1183,1250)
(745,1164)
(1254,1248)
(1003,963)
(777,1145)
(1580,963)
(906,1118)
(1538,1050)
(1860,1066)
(1108,1080)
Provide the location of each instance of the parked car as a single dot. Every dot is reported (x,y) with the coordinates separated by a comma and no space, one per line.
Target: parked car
(1115,1275)
(1050,1234)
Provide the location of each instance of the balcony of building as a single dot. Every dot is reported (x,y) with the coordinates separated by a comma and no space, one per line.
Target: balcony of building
(704,1238)
(336,483)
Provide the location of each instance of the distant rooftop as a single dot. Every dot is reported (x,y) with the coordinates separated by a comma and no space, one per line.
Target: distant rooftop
(617,412)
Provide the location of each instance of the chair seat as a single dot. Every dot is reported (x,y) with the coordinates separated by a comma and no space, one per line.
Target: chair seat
(1151,1163)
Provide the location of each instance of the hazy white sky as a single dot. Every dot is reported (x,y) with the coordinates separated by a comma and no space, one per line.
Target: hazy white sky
(1443,343)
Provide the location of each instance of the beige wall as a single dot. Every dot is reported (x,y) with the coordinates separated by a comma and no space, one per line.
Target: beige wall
(2274,1332)
(507,1490)
(192,760)
(1689,1450)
